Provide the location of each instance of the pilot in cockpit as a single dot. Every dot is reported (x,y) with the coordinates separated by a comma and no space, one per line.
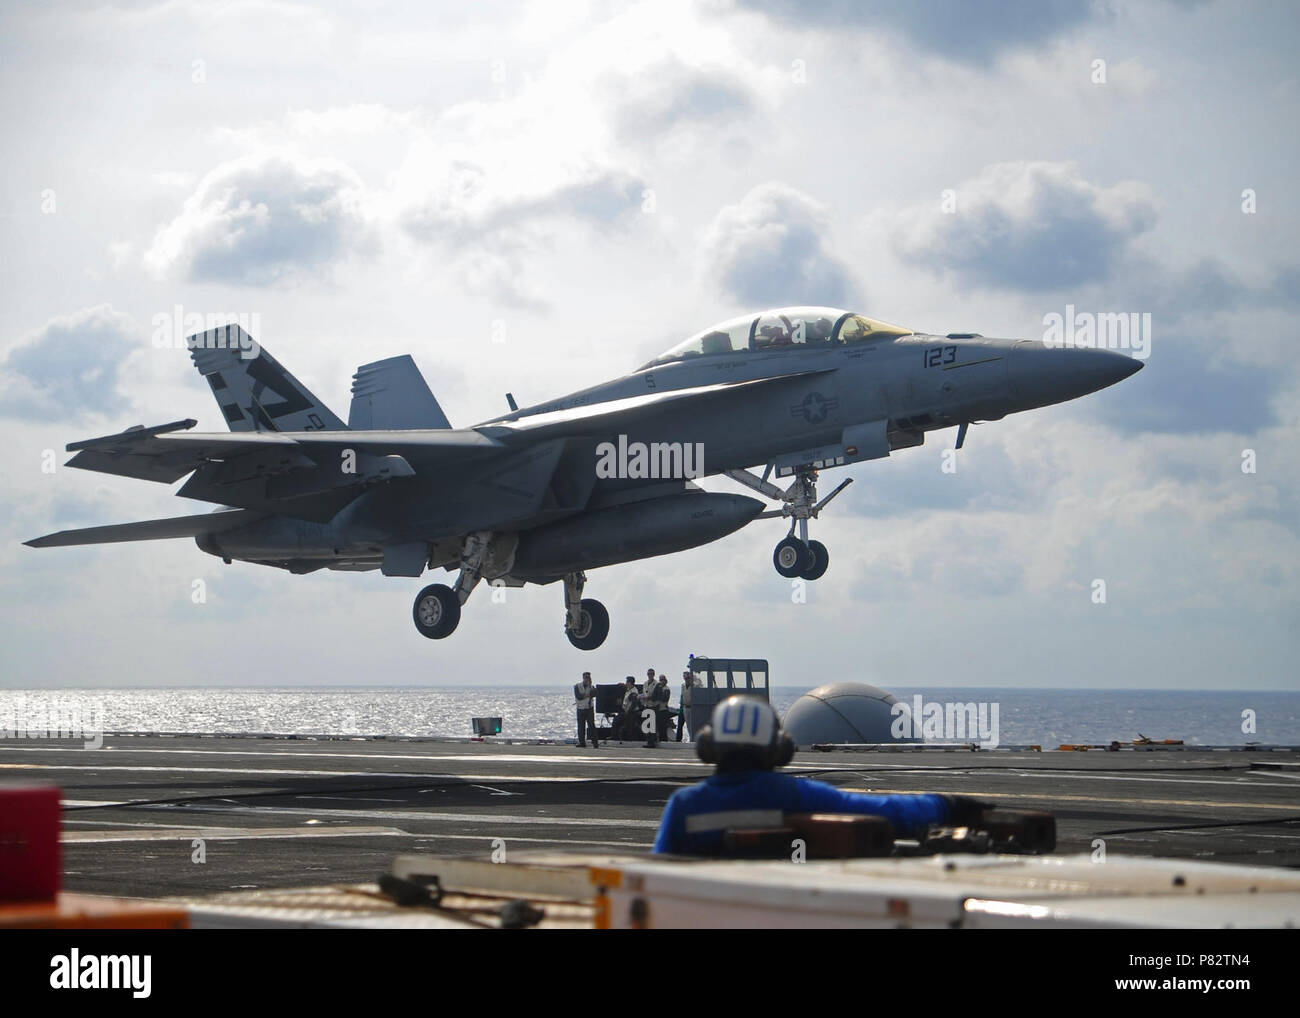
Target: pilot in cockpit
(818,330)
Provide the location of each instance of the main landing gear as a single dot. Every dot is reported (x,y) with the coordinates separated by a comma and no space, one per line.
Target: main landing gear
(437,607)
(795,556)
(586,621)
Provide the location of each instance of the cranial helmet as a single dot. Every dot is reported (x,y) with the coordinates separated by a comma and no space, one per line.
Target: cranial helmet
(744,734)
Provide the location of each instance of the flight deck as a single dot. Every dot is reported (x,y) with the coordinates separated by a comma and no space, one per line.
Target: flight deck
(155,816)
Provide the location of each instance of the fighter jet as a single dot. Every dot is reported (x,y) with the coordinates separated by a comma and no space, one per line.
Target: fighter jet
(598,477)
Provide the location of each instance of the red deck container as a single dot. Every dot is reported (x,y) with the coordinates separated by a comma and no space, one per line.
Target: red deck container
(29,842)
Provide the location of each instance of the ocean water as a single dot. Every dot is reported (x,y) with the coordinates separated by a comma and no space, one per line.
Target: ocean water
(1047,717)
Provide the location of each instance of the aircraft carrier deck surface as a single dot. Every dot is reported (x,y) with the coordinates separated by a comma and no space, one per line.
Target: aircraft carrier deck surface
(296,811)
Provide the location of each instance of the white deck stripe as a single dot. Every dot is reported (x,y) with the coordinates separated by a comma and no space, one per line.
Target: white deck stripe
(414,776)
(178,828)
(601,759)
(420,815)
(227,834)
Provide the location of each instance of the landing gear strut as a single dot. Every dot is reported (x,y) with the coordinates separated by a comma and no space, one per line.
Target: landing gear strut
(795,556)
(586,621)
(437,606)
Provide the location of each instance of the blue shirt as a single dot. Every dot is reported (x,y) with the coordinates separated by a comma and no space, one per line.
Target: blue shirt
(695,818)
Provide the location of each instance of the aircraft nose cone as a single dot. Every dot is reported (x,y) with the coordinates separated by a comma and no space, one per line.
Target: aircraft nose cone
(1040,375)
(1091,370)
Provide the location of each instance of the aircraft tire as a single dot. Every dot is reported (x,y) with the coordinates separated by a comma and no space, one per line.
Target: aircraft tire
(436,611)
(594,626)
(820,560)
(791,558)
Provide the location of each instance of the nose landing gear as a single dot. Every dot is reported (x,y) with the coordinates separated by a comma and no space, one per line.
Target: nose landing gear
(436,611)
(792,557)
(795,556)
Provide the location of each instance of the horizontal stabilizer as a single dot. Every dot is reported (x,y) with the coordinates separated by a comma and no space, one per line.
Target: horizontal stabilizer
(149,530)
(226,460)
(131,435)
(392,395)
(150,454)
(135,452)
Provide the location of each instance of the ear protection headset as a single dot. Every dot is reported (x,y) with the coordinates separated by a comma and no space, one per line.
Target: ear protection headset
(748,725)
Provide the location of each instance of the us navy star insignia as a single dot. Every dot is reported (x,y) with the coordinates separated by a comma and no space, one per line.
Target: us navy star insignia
(815,408)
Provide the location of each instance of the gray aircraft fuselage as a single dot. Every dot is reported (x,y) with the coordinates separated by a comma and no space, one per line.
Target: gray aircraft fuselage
(594,478)
(902,381)
(909,385)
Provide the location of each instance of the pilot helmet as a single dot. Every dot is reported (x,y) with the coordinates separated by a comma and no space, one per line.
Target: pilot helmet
(744,735)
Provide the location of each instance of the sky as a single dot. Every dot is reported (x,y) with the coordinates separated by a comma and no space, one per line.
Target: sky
(536,197)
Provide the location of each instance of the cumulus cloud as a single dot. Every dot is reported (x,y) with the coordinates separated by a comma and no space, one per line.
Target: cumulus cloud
(1239,397)
(264,219)
(772,247)
(1135,512)
(989,479)
(485,225)
(484,188)
(667,76)
(69,367)
(1030,226)
(469,201)
(1208,285)
(973,32)
(939,551)
(490,186)
(1195,347)
(670,93)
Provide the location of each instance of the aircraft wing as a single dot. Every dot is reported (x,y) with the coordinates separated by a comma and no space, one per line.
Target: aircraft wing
(429,449)
(149,530)
(618,413)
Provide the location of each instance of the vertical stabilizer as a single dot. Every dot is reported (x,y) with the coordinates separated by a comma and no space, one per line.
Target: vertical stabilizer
(256,393)
(391,395)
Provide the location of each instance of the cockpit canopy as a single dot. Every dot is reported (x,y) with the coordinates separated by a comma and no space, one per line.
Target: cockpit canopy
(782,329)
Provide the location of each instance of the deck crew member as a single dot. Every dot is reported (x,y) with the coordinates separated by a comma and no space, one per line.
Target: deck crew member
(688,683)
(746,744)
(649,722)
(659,699)
(630,719)
(584,696)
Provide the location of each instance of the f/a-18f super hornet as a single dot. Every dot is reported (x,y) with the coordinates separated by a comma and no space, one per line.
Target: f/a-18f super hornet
(591,479)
